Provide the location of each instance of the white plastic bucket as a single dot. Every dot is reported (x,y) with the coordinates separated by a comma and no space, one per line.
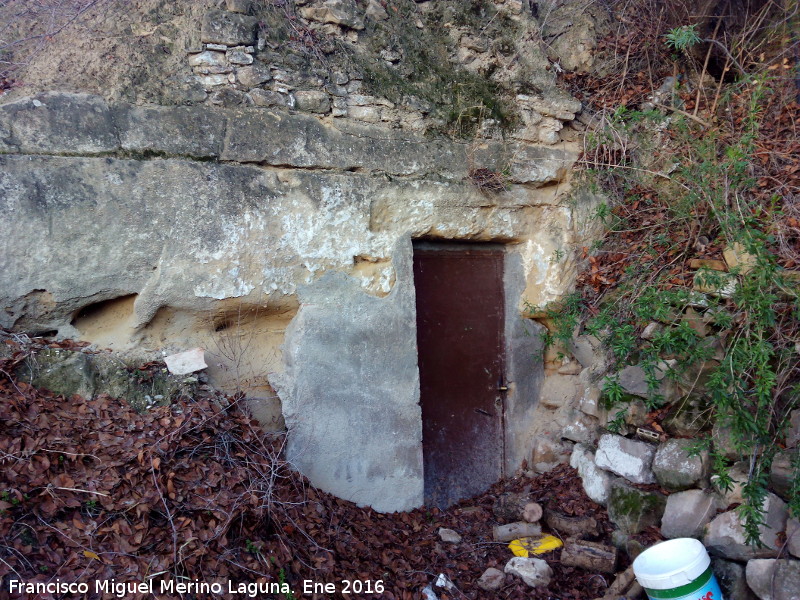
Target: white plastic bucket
(677,569)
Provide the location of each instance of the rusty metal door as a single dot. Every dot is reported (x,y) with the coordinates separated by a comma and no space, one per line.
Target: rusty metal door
(460,316)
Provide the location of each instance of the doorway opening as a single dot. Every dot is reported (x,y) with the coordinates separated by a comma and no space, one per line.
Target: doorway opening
(460,303)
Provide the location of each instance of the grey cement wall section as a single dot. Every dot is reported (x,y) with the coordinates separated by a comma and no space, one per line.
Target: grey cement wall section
(524,371)
(351,390)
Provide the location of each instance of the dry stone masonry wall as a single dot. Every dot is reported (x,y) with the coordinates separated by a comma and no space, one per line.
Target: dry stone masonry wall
(661,478)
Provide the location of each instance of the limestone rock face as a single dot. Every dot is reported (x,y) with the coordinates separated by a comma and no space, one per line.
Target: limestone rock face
(55,122)
(178,227)
(630,459)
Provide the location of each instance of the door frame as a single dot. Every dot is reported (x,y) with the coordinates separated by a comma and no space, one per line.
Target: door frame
(524,348)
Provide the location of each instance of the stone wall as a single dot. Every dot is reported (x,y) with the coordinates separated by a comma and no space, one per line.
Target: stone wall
(271,219)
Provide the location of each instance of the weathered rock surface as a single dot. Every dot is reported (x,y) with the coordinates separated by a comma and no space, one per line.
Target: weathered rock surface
(772,579)
(533,571)
(448,535)
(630,459)
(675,469)
(632,510)
(53,123)
(687,513)
(230,29)
(596,481)
(725,535)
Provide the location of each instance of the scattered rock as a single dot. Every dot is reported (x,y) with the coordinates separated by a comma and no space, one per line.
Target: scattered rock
(623,541)
(512,531)
(65,372)
(636,412)
(230,29)
(687,513)
(715,283)
(376,11)
(633,380)
(631,459)
(652,330)
(533,571)
(228,97)
(772,579)
(675,469)
(725,535)
(449,536)
(596,482)
(590,401)
(443,581)
(731,578)
(707,263)
(592,556)
(695,321)
(239,57)
(632,510)
(491,580)
(512,506)
(186,362)
(736,256)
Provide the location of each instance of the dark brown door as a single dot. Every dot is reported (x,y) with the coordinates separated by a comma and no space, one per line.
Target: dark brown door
(459,296)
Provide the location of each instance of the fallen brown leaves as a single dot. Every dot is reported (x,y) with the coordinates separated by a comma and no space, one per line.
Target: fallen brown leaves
(91,490)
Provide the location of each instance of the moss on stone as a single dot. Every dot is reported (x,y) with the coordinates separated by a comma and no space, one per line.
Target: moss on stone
(632,510)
